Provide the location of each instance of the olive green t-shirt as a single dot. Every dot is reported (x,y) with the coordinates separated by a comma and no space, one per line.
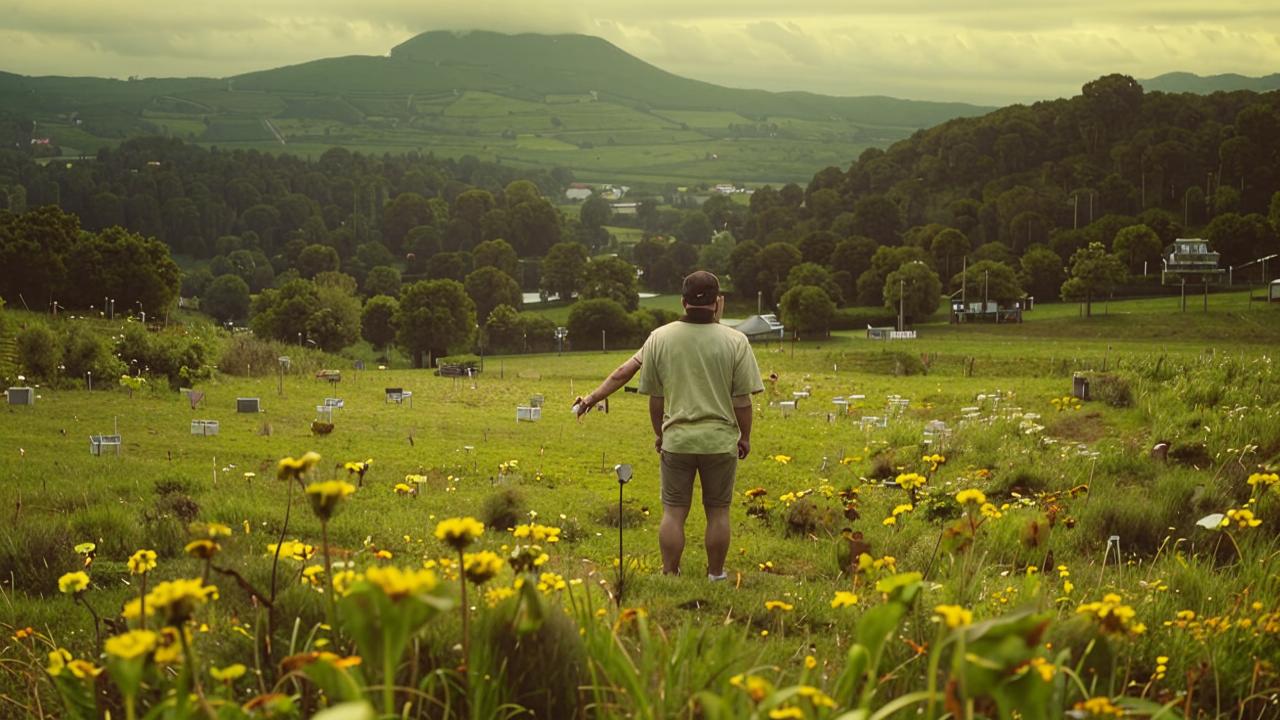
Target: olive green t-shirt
(698,368)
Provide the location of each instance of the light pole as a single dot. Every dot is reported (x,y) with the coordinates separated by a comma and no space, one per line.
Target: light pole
(561,334)
(902,296)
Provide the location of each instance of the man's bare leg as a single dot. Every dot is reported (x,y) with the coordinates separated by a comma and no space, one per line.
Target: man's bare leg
(717,539)
(671,537)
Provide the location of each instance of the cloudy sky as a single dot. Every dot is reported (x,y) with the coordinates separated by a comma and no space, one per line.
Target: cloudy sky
(991,51)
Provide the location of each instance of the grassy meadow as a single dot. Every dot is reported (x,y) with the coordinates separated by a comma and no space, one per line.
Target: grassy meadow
(1074,509)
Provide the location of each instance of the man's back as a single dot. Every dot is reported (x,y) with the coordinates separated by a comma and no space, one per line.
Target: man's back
(698,368)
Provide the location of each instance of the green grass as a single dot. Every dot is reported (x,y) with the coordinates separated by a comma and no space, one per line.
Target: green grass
(1186,389)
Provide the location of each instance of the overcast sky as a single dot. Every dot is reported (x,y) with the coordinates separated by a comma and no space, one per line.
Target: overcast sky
(992,51)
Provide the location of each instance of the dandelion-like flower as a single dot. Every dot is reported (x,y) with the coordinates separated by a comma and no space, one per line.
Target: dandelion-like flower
(73,583)
(60,661)
(536,533)
(203,548)
(398,584)
(971,496)
(549,582)
(493,596)
(843,599)
(459,533)
(1112,615)
(990,511)
(142,562)
(292,468)
(1099,707)
(1265,480)
(177,600)
(756,687)
(953,615)
(781,459)
(481,567)
(132,644)
(228,674)
(325,496)
(779,605)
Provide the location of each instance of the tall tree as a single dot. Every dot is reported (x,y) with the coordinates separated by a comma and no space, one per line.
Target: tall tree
(436,316)
(563,269)
(1094,272)
(611,278)
(918,288)
(489,287)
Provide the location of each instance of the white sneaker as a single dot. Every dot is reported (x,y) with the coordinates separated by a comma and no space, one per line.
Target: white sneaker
(718,578)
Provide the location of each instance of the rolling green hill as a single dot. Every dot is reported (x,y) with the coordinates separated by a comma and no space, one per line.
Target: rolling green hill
(1184,82)
(567,100)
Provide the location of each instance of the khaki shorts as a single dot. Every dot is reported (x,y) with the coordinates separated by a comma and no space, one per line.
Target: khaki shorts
(716,472)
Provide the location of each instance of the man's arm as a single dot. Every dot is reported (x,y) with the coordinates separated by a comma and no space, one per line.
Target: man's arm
(742,412)
(656,407)
(616,379)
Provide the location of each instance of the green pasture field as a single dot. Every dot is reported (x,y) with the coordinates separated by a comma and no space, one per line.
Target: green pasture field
(1186,383)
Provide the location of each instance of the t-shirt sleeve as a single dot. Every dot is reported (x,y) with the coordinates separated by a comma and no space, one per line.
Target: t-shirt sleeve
(746,373)
(650,383)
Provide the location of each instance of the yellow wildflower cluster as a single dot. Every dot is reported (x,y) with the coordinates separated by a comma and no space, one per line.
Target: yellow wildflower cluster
(779,605)
(549,582)
(754,493)
(1066,402)
(1099,707)
(508,467)
(1241,518)
(888,563)
(1113,616)
(1265,623)
(971,496)
(1265,480)
(293,550)
(358,468)
(458,533)
(933,461)
(781,459)
(536,533)
(203,548)
(910,480)
(493,596)
(61,661)
(325,496)
(404,489)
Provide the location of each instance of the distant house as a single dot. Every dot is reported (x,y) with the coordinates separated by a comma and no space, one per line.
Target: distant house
(725,188)
(625,208)
(578,192)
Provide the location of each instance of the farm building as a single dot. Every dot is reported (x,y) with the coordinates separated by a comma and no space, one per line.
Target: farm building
(761,328)
(577,192)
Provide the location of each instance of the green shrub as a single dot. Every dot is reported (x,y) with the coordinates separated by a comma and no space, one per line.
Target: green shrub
(39,352)
(1111,389)
(85,352)
(33,555)
(504,509)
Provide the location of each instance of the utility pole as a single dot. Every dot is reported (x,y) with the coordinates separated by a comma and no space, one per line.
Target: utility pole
(902,284)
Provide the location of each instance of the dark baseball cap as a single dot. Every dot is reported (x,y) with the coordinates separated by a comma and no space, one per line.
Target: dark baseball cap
(700,288)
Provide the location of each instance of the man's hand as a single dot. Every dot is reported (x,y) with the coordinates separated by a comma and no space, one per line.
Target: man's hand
(582,406)
(657,444)
(744,448)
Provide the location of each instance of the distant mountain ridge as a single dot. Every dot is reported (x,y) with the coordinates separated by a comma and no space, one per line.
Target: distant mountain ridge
(1185,82)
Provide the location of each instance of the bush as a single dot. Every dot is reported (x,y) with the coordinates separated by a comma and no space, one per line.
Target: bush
(504,509)
(1111,389)
(246,356)
(545,668)
(39,352)
(84,352)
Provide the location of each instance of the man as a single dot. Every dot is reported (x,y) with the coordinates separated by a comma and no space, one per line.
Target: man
(699,376)
(619,377)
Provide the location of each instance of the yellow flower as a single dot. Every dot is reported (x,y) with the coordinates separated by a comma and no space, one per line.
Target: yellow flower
(778,605)
(891,520)
(402,489)
(229,673)
(60,660)
(1045,668)
(210,530)
(815,696)
(549,582)
(810,662)
(1241,518)
(755,492)
(326,495)
(203,549)
(990,511)
(480,567)
(536,533)
(73,583)
(786,713)
(1112,615)
(85,548)
(1265,479)
(458,533)
(971,496)
(493,596)
(293,468)
(292,550)
(756,687)
(178,599)
(358,468)
(1099,707)
(782,459)
(132,644)
(904,508)
(953,615)
(911,480)
(396,583)
(311,575)
(844,598)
